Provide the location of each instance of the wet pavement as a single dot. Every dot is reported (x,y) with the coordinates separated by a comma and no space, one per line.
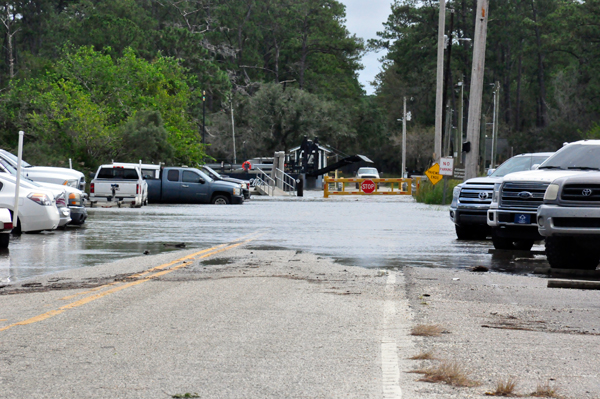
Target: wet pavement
(363,231)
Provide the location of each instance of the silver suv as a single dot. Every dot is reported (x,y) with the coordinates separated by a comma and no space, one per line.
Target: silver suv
(570,221)
(471,199)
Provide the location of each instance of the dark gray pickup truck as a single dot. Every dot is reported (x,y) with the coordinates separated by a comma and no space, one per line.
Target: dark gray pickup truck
(179,185)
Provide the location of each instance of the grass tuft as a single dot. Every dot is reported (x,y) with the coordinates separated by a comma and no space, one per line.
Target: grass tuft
(505,387)
(430,194)
(424,356)
(545,391)
(451,373)
(427,330)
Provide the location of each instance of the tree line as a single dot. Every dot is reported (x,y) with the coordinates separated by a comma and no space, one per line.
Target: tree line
(99,80)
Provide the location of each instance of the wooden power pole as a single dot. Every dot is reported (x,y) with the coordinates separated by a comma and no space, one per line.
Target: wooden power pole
(439,100)
(474,116)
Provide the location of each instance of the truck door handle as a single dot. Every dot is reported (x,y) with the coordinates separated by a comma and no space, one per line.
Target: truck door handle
(185,186)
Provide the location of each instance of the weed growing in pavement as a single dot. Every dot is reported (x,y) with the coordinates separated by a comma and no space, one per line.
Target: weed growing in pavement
(427,330)
(545,391)
(451,373)
(505,387)
(424,356)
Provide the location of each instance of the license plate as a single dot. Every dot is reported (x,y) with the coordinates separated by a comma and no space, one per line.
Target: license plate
(522,218)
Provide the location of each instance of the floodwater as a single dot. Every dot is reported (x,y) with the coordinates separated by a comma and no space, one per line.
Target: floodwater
(363,231)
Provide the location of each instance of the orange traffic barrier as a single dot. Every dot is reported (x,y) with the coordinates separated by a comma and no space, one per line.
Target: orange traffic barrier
(369,186)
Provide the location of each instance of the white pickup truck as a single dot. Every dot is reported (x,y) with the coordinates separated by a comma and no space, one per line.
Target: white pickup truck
(515,202)
(119,185)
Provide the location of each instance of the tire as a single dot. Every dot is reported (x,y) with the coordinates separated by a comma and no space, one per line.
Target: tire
(502,243)
(4,239)
(523,245)
(220,200)
(564,253)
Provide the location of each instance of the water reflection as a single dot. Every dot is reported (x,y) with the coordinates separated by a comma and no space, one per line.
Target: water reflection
(367,232)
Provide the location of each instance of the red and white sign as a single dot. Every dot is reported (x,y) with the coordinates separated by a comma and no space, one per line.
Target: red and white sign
(447,166)
(368,186)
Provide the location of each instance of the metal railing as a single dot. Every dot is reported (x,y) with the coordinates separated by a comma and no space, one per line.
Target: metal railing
(286,182)
(264,182)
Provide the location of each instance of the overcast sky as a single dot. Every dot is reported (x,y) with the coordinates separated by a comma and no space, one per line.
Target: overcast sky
(364,18)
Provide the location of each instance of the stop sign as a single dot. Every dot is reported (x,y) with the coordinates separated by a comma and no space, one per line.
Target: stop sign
(368,186)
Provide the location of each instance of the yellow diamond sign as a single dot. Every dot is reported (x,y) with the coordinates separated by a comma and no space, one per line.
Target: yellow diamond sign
(433,174)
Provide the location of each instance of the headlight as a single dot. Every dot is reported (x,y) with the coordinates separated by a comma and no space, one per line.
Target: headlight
(41,199)
(75,199)
(237,191)
(551,193)
(496,193)
(456,192)
(71,183)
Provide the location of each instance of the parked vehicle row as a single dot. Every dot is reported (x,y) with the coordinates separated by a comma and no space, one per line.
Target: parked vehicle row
(50,198)
(559,201)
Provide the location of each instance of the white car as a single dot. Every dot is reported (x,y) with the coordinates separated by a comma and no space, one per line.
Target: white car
(6,227)
(48,174)
(37,206)
(367,173)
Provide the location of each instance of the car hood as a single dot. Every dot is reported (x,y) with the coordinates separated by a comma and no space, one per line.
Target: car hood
(542,175)
(225,185)
(52,171)
(486,180)
(234,180)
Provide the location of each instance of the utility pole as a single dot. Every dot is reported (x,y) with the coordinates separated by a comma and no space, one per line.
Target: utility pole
(495,125)
(233,132)
(439,97)
(459,142)
(475,100)
(404,139)
(203,117)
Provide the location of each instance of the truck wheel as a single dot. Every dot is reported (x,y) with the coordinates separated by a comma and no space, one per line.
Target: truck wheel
(502,243)
(564,253)
(220,200)
(523,245)
(4,239)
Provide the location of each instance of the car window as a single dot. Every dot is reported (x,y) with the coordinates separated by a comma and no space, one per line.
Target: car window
(118,174)
(190,177)
(13,159)
(148,173)
(173,175)
(575,156)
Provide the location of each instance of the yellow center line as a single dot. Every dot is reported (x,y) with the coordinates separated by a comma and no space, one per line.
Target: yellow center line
(201,254)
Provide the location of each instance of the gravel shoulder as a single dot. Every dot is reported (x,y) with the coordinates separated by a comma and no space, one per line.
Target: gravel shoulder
(499,326)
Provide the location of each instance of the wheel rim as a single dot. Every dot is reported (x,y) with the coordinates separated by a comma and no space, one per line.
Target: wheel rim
(220,201)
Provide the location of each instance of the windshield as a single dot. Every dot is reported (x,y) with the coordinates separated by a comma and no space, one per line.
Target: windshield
(518,164)
(204,175)
(13,159)
(211,171)
(575,156)
(370,171)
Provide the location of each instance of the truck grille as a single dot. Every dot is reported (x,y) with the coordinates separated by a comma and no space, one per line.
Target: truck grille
(581,192)
(522,195)
(476,194)
(577,222)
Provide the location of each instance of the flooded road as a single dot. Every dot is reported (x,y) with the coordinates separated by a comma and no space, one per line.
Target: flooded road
(362,231)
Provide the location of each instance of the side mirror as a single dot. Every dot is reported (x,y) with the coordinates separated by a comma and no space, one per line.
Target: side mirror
(201,180)
(490,171)
(535,166)
(92,175)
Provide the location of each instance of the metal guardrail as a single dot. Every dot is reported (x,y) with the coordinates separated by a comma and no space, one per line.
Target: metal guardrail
(404,186)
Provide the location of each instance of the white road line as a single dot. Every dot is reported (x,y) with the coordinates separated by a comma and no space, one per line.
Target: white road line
(389,349)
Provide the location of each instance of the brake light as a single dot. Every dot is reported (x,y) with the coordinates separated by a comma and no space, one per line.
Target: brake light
(137,188)
(8,226)
(92,188)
